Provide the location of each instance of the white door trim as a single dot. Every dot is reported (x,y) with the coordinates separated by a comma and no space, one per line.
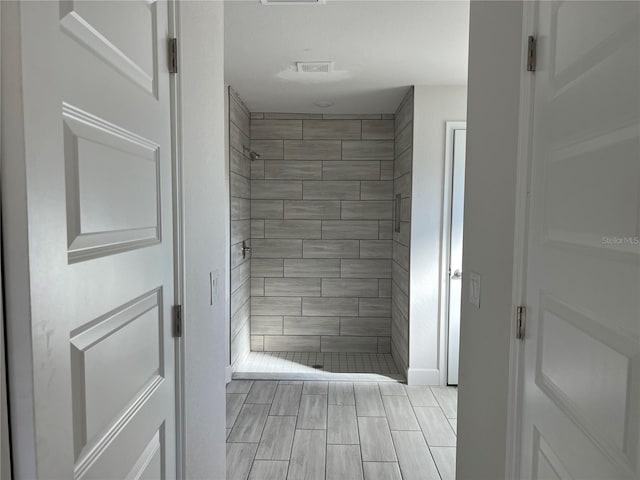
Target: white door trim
(178,239)
(445,259)
(512,467)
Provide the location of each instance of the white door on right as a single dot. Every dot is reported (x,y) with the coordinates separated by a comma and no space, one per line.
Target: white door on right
(581,383)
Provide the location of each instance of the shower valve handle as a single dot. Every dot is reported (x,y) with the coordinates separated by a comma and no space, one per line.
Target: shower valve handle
(245,249)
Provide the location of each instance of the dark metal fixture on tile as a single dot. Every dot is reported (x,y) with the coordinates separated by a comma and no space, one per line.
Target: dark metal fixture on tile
(398,212)
(252,155)
(245,249)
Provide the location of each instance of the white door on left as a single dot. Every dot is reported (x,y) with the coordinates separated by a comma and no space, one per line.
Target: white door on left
(95,128)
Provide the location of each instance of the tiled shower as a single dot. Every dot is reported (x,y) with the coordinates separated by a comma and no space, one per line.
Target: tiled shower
(320,230)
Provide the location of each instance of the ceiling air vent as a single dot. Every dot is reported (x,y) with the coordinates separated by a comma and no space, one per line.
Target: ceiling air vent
(292,2)
(314,67)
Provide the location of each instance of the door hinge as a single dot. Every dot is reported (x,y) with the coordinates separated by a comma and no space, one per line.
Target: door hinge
(172,52)
(532,54)
(177,321)
(521,322)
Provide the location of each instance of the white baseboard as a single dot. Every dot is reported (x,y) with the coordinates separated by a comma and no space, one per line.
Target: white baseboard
(423,376)
(228,373)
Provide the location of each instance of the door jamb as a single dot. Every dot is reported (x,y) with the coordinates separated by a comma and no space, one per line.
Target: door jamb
(175,92)
(523,179)
(445,251)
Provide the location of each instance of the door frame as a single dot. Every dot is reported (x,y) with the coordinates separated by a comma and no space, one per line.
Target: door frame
(175,92)
(521,232)
(445,253)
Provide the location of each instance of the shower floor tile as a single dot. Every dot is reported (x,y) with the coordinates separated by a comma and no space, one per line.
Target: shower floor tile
(377,367)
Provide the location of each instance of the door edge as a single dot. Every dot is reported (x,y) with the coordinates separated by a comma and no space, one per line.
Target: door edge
(523,168)
(178,243)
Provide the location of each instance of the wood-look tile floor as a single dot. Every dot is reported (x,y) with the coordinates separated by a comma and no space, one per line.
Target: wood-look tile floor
(318,430)
(342,366)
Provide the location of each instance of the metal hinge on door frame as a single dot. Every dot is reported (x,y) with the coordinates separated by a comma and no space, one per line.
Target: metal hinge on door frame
(532,54)
(521,321)
(172,53)
(177,321)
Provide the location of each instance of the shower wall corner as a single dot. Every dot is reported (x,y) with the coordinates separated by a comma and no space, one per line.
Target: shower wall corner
(240,198)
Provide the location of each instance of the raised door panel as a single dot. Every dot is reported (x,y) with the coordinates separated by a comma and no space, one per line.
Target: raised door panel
(108,389)
(112,184)
(140,452)
(546,465)
(588,371)
(125,41)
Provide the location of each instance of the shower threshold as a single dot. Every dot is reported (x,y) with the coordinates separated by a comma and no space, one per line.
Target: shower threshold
(345,366)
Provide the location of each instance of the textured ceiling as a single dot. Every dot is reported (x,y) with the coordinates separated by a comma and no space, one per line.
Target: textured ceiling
(379,49)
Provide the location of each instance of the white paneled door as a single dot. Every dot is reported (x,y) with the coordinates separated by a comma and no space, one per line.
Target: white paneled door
(97,140)
(581,396)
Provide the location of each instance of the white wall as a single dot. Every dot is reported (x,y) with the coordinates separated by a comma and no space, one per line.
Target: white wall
(433,107)
(206,211)
(492,149)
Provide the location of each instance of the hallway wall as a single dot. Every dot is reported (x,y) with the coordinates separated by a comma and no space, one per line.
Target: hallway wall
(321,232)
(495,39)
(206,227)
(240,191)
(402,175)
(434,106)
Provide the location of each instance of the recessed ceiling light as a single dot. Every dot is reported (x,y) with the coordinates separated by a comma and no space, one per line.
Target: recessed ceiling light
(324,104)
(293,2)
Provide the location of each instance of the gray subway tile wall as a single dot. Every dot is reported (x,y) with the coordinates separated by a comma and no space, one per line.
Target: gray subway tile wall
(241,228)
(331,190)
(352,229)
(321,214)
(311,325)
(312,150)
(316,210)
(312,268)
(332,248)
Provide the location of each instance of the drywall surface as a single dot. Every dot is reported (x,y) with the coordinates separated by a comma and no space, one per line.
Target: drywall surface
(433,107)
(492,148)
